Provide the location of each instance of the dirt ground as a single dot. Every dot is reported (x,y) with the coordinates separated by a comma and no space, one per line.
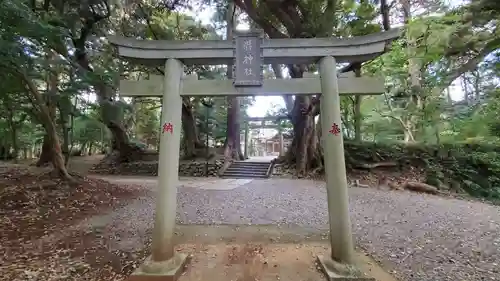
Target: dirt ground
(72,239)
(35,205)
(248,253)
(259,230)
(225,253)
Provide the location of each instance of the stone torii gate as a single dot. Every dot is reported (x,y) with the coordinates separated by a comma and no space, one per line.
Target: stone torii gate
(247,52)
(264,126)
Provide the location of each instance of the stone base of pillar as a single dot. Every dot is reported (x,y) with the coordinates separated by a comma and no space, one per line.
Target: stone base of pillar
(168,270)
(340,272)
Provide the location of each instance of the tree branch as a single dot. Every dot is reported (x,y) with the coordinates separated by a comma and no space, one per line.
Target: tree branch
(386,24)
(268,28)
(88,25)
(400,121)
(329,20)
(148,23)
(292,10)
(470,65)
(46,5)
(302,9)
(275,8)
(314,107)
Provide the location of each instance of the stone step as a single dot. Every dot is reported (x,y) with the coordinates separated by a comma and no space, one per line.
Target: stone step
(242,176)
(250,167)
(237,168)
(239,164)
(247,170)
(245,173)
(252,163)
(243,169)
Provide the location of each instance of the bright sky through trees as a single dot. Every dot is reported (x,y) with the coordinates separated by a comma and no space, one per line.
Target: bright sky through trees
(263,104)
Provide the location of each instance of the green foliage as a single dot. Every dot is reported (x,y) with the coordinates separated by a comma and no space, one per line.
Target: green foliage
(475,167)
(447,46)
(213,121)
(88,130)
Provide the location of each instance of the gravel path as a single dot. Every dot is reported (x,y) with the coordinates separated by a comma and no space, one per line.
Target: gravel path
(417,237)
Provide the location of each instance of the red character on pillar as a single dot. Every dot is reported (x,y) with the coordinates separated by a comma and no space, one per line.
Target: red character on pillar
(168,127)
(335,129)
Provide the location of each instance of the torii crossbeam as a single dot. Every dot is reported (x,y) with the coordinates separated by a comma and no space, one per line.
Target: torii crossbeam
(309,85)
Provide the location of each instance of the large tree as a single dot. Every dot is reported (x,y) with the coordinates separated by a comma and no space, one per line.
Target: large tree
(27,61)
(307,19)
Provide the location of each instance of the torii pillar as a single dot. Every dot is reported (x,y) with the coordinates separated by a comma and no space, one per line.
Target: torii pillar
(246,141)
(165,264)
(280,133)
(333,149)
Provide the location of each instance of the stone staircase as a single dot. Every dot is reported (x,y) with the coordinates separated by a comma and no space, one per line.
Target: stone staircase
(248,170)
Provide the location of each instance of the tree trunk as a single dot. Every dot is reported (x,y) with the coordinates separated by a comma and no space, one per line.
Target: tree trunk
(357,117)
(131,123)
(414,70)
(50,129)
(319,148)
(15,147)
(83,147)
(127,152)
(65,132)
(303,131)
(47,153)
(357,112)
(56,155)
(344,118)
(191,138)
(314,145)
(13,126)
(408,132)
(13,136)
(477,84)
(5,152)
(232,147)
(32,152)
(437,134)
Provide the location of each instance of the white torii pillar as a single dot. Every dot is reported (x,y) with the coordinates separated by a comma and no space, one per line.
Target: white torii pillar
(335,171)
(164,262)
(282,149)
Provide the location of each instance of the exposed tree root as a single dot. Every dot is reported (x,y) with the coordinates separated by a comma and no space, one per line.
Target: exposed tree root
(358,184)
(421,187)
(374,165)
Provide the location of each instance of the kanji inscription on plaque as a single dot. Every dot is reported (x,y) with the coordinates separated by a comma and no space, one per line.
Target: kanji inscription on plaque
(168,127)
(247,59)
(335,129)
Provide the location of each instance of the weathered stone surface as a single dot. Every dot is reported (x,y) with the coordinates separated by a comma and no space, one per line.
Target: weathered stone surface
(283,171)
(150,168)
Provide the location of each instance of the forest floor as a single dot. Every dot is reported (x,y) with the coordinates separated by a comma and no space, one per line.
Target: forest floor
(235,229)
